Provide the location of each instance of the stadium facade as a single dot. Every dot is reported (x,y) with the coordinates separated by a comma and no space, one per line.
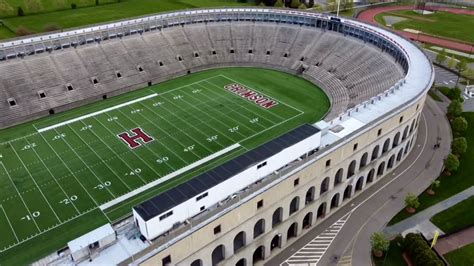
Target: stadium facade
(376,80)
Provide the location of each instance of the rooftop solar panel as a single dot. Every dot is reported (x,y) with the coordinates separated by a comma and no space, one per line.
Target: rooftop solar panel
(196,186)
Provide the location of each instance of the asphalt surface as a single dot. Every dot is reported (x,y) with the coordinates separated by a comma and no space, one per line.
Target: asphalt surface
(371,210)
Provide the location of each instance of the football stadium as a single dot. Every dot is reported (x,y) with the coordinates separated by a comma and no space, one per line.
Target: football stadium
(197,137)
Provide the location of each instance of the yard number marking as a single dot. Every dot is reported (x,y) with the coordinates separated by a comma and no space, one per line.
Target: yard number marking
(35,214)
(189,148)
(28,146)
(68,200)
(162,160)
(234,129)
(103,185)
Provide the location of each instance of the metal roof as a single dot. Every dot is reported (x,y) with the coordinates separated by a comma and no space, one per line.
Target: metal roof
(198,185)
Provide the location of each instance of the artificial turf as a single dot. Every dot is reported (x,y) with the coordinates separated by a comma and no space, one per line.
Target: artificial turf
(50,181)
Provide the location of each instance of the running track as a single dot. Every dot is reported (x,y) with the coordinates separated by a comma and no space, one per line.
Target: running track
(369,17)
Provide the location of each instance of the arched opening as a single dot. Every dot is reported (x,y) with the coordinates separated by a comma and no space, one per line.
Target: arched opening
(309,195)
(241,262)
(321,211)
(386,146)
(308,220)
(407,147)
(359,184)
(197,262)
(239,241)
(381,169)
(277,216)
(276,242)
(391,162)
(405,133)
(370,176)
(363,160)
(338,177)
(351,170)
(294,205)
(375,153)
(258,254)
(347,192)
(292,231)
(399,155)
(218,254)
(396,140)
(324,186)
(335,201)
(259,228)
(412,126)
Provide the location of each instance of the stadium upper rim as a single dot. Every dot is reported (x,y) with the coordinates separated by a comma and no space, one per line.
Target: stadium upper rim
(419,73)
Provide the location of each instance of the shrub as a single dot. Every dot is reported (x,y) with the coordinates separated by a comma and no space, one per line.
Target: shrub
(379,242)
(455,108)
(51,27)
(21,13)
(411,201)
(441,56)
(451,163)
(459,145)
(459,124)
(22,31)
(73,6)
(455,94)
(420,252)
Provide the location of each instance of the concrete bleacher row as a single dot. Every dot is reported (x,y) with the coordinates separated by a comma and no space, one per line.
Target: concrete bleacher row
(347,69)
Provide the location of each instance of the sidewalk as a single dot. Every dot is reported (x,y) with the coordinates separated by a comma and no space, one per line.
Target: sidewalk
(455,241)
(417,220)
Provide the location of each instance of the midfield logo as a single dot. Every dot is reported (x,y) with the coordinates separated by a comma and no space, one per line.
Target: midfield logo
(132,139)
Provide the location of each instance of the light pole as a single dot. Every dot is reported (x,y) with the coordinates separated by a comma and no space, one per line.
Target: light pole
(338,4)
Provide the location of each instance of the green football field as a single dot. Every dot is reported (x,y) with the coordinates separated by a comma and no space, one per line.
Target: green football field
(69,173)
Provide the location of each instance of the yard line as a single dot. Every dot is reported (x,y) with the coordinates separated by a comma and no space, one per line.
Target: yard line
(146,146)
(101,159)
(294,108)
(243,106)
(9,223)
(36,184)
(54,178)
(169,176)
(197,129)
(117,155)
(18,192)
(87,165)
(96,113)
(239,123)
(271,127)
(231,111)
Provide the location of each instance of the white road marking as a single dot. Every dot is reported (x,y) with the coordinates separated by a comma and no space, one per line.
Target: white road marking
(9,223)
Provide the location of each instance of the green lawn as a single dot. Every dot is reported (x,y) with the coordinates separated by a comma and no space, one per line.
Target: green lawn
(53,181)
(461,257)
(450,185)
(443,24)
(456,218)
(103,13)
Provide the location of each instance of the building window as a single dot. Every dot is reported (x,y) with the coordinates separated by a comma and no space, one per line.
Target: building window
(355,147)
(328,163)
(166,215)
(261,165)
(11,102)
(202,208)
(379,132)
(401,119)
(217,229)
(42,94)
(166,260)
(296,182)
(200,197)
(260,204)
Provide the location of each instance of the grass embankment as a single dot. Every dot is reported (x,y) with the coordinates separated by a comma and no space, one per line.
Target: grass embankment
(450,185)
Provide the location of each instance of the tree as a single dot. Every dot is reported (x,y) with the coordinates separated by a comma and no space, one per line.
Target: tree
(455,94)
(331,5)
(459,124)
(348,4)
(434,184)
(379,243)
(461,65)
(451,163)
(452,62)
(455,108)
(73,6)
(441,56)
(302,6)
(21,13)
(310,3)
(459,146)
(279,3)
(295,3)
(411,202)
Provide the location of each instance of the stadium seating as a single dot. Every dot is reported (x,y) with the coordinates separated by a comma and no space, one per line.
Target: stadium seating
(348,70)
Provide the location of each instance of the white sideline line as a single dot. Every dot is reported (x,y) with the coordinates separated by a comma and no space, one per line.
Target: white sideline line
(167,177)
(96,113)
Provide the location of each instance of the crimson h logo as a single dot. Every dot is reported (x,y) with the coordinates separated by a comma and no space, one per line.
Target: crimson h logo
(132,139)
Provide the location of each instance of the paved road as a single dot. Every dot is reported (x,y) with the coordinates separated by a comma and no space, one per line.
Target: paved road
(373,208)
(369,17)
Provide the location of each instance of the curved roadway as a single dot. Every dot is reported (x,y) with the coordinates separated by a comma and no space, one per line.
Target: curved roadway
(371,210)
